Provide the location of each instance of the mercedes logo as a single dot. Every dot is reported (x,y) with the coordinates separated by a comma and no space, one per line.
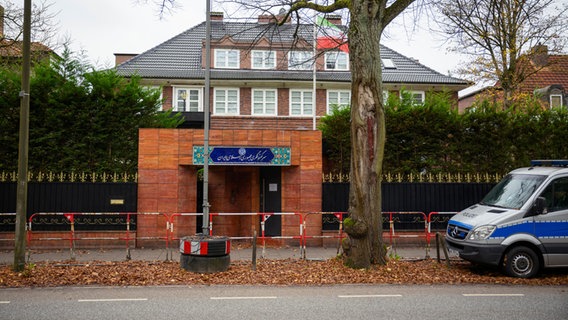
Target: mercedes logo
(455,231)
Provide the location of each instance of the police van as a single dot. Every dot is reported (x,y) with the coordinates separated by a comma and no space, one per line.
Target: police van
(521,224)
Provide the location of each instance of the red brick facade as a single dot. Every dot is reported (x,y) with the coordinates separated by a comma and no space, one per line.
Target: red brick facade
(168,180)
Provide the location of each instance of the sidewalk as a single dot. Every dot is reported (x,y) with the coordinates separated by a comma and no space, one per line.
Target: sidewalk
(279,253)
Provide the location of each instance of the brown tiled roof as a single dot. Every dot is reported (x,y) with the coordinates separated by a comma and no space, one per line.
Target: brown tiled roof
(13,49)
(556,72)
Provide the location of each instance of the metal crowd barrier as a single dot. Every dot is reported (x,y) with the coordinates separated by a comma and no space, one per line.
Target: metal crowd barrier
(5,217)
(264,217)
(72,235)
(439,217)
(393,219)
(338,236)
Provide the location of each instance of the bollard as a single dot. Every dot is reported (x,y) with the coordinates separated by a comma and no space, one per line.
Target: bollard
(254,251)
(205,254)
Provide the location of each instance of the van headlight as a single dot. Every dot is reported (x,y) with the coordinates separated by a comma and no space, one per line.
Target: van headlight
(481,233)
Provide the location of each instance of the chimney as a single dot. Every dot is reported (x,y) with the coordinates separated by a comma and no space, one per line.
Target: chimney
(539,55)
(270,18)
(216,16)
(120,58)
(1,22)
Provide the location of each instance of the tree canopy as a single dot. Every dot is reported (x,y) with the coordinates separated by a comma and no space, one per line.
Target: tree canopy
(367,21)
(44,25)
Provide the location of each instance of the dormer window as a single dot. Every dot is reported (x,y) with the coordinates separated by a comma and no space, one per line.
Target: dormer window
(388,64)
(555,100)
(263,59)
(336,61)
(228,59)
(300,60)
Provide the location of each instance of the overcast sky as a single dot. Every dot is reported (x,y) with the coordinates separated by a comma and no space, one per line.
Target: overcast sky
(104,27)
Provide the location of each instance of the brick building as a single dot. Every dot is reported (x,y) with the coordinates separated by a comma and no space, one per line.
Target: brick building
(262,102)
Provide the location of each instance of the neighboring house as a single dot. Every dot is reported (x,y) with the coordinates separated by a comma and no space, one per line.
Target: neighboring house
(547,79)
(11,51)
(265,154)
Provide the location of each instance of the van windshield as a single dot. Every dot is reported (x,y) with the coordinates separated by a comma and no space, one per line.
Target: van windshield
(513,191)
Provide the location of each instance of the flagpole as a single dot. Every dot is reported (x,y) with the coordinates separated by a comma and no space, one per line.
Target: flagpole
(314,73)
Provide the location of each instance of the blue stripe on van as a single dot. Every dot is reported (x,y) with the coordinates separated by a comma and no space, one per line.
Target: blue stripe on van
(541,229)
(460,224)
(507,230)
(551,229)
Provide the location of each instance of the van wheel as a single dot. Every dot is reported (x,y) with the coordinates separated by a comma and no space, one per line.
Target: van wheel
(521,262)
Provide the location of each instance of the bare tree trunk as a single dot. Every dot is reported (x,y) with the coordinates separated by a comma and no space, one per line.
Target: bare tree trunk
(364,246)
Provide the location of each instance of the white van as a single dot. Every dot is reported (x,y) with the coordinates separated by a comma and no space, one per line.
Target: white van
(521,224)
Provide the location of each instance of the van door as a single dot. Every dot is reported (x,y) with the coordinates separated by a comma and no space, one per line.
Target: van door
(551,228)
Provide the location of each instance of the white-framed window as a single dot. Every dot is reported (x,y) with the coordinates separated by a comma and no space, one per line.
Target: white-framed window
(300,60)
(338,98)
(301,103)
(264,102)
(160,105)
(336,60)
(187,99)
(225,58)
(556,100)
(385,97)
(263,59)
(418,97)
(226,101)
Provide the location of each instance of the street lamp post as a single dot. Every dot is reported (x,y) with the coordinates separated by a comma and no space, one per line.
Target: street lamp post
(206,108)
(22,189)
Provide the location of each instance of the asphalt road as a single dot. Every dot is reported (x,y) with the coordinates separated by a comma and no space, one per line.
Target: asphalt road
(268,302)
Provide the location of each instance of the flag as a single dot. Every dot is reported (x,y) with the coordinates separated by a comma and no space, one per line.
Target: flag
(330,36)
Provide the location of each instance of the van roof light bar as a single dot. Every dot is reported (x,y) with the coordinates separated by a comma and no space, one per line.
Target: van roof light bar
(549,163)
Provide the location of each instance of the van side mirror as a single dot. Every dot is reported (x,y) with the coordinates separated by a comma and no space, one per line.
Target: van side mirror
(539,206)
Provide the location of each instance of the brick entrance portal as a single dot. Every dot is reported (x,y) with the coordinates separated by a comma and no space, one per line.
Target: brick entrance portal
(168,182)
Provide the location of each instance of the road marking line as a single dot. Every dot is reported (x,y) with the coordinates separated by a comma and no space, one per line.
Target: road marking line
(240,298)
(493,295)
(111,300)
(4,302)
(371,296)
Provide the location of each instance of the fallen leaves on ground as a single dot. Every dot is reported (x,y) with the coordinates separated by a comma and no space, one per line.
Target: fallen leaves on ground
(268,272)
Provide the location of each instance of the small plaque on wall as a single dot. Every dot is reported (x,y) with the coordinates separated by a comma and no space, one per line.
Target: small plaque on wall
(117,201)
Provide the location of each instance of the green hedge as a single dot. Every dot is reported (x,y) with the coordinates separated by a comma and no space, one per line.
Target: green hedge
(433,138)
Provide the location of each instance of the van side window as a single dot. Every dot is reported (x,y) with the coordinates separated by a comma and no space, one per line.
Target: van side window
(556,195)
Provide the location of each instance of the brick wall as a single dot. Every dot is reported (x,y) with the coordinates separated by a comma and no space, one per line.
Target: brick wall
(167,179)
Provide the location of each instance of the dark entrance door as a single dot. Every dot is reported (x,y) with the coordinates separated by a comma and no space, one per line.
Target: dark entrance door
(199,207)
(271,198)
